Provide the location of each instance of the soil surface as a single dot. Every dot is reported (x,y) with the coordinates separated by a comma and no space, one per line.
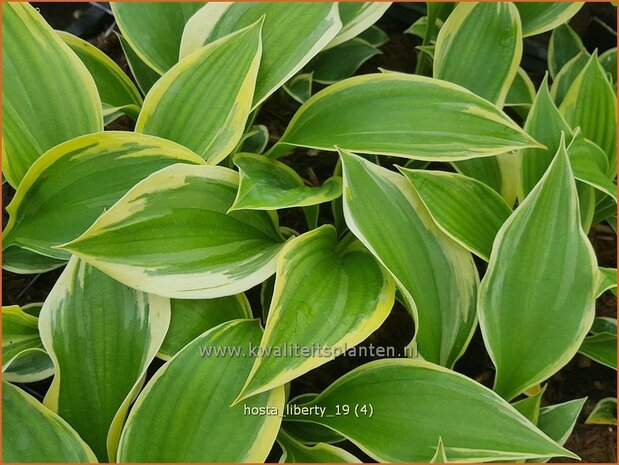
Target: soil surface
(580,378)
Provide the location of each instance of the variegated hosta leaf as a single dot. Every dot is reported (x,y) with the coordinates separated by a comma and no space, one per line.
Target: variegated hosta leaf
(268,184)
(310,433)
(357,17)
(191,104)
(184,412)
(144,75)
(465,209)
(479,47)
(73,183)
(564,45)
(32,433)
(591,104)
(607,281)
(340,62)
(536,301)
(522,91)
(292,34)
(558,421)
(539,17)
(601,345)
(299,87)
(436,275)
(190,318)
(476,34)
(401,115)
(327,295)
(407,397)
(563,81)
(23,357)
(374,36)
(420,28)
(546,124)
(439,456)
(154,30)
(608,61)
(114,86)
(604,413)
(45,101)
(296,452)
(530,406)
(256,140)
(90,321)
(170,235)
(23,261)
(589,164)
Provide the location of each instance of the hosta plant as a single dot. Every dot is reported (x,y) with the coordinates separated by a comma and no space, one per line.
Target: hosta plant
(203,282)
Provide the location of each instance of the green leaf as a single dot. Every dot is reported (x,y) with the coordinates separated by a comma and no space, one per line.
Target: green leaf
(144,75)
(115,88)
(546,124)
(465,209)
(530,406)
(539,17)
(374,36)
(564,45)
(296,452)
(601,345)
(292,34)
(383,210)
(591,104)
(607,281)
(408,396)
(589,164)
(191,318)
(439,456)
(402,115)
(32,433)
(529,330)
(522,91)
(357,17)
(73,183)
(180,247)
(479,47)
(608,60)
(184,412)
(317,277)
(309,433)
(604,413)
(256,140)
(23,261)
(340,62)
(23,357)
(193,106)
(558,421)
(299,87)
(154,30)
(268,184)
(90,321)
(46,100)
(562,82)
(420,28)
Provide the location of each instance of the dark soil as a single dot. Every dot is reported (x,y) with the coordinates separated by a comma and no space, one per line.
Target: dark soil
(580,378)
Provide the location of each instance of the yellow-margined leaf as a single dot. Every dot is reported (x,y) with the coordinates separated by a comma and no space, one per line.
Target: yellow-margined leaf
(539,17)
(436,275)
(296,452)
(90,321)
(77,180)
(170,235)
(357,17)
(536,301)
(191,104)
(184,413)
(564,45)
(404,400)
(328,296)
(293,33)
(604,412)
(32,433)
(402,115)
(48,94)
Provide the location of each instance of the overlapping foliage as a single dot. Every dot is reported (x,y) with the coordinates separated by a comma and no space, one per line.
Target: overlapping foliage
(464,192)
